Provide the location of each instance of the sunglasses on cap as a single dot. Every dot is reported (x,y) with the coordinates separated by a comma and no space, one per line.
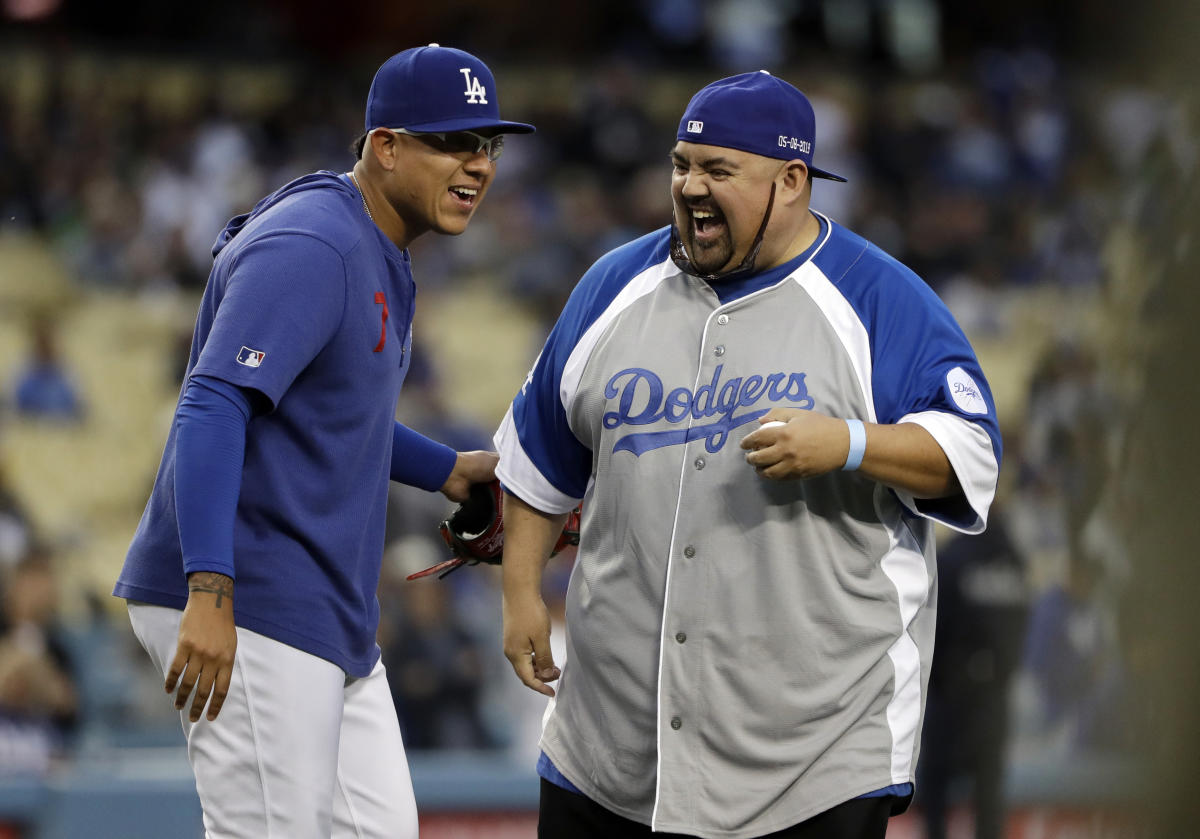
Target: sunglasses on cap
(456,142)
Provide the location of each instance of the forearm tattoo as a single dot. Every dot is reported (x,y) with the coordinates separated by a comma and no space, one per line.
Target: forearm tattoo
(211,582)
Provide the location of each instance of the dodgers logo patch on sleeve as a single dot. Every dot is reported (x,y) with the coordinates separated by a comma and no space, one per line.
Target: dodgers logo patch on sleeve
(251,358)
(965,392)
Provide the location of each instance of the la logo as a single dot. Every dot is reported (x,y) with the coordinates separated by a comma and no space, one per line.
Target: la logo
(476,93)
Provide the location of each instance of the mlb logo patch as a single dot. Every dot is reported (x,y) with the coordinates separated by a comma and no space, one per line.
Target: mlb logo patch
(251,358)
(695,126)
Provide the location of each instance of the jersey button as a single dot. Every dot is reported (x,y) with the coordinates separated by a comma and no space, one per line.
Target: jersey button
(722,319)
(680,637)
(699,463)
(719,351)
(676,723)
(689,552)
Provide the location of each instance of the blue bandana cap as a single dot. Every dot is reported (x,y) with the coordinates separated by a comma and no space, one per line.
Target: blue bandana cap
(436,88)
(756,113)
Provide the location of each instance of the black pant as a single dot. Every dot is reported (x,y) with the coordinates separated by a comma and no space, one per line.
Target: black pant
(567,815)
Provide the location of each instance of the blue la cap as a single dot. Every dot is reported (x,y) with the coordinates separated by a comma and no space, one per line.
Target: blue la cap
(757,113)
(436,88)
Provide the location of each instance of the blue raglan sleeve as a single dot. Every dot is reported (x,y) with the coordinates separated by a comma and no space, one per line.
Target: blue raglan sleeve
(924,371)
(542,461)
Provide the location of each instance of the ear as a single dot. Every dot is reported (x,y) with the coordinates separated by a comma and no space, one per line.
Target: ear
(384,147)
(794,182)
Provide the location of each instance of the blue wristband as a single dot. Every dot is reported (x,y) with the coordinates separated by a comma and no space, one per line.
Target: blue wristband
(858,444)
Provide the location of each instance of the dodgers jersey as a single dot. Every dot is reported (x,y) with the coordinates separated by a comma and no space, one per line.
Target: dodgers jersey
(311,305)
(743,653)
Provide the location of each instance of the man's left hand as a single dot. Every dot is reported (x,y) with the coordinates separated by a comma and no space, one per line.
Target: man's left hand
(469,468)
(808,445)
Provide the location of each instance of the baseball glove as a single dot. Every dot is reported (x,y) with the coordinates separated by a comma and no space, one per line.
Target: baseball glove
(474,532)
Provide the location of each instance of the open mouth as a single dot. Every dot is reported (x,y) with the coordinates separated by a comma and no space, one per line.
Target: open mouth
(707,225)
(465,196)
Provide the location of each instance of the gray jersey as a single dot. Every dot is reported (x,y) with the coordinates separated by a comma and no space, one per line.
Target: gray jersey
(743,653)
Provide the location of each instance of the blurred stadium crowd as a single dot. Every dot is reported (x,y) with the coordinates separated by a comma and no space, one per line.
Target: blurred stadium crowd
(1026,192)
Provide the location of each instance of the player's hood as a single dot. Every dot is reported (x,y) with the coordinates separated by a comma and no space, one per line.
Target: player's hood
(316,180)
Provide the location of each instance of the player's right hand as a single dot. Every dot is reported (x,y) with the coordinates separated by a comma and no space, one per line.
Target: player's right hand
(206,647)
(527,642)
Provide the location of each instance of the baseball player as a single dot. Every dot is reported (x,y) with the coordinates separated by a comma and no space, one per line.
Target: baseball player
(251,579)
(764,414)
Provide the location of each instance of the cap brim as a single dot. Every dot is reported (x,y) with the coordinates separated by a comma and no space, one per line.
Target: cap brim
(821,173)
(472,124)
